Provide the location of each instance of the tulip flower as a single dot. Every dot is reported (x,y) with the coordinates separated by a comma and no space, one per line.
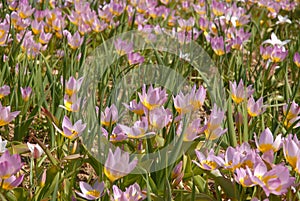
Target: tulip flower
(116,8)
(26,92)
(278,54)
(266,141)
(213,129)
(109,116)
(296,59)
(6,116)
(91,192)
(177,170)
(117,134)
(186,25)
(275,41)
(25,10)
(160,117)
(9,165)
(4,30)
(138,130)
(123,47)
(74,41)
(35,150)
(177,174)
(153,98)
(291,149)
(197,97)
(238,92)
(208,161)
(283,20)
(242,177)
(45,38)
(247,156)
(135,58)
(71,103)
(69,130)
(132,193)
(275,181)
(191,132)
(4,91)
(293,112)
(11,182)
(232,159)
(117,164)
(266,52)
(255,108)
(37,26)
(291,115)
(72,85)
(182,103)
(218,8)
(217,45)
(135,107)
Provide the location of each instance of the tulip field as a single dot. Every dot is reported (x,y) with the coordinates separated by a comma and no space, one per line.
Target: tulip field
(130,100)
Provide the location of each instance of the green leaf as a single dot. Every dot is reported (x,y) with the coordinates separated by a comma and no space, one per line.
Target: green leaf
(228,187)
(198,197)
(200,182)
(51,180)
(19,148)
(17,194)
(231,130)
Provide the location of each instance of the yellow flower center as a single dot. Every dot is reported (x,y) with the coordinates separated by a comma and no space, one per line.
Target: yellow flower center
(219,52)
(70,92)
(292,160)
(236,99)
(111,176)
(93,193)
(251,113)
(2,33)
(213,165)
(3,123)
(148,105)
(266,147)
(7,186)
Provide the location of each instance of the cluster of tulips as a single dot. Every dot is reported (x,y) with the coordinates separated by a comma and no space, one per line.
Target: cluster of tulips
(246,148)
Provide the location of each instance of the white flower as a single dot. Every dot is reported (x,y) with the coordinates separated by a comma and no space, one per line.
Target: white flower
(283,20)
(184,56)
(35,150)
(2,145)
(275,41)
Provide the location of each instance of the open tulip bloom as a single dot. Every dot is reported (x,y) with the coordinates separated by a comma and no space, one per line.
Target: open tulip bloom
(91,192)
(11,182)
(133,193)
(72,85)
(117,164)
(275,41)
(6,116)
(4,91)
(213,129)
(109,116)
(266,141)
(138,130)
(239,93)
(217,117)
(153,97)
(9,165)
(69,130)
